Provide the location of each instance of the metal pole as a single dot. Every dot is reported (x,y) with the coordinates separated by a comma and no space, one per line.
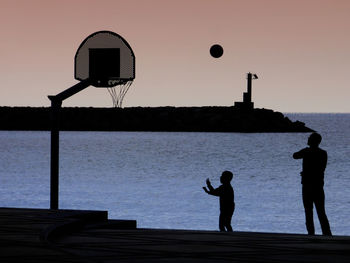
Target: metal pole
(56,103)
(55,133)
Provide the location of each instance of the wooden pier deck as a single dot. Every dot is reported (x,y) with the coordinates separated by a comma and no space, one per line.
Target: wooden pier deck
(42,235)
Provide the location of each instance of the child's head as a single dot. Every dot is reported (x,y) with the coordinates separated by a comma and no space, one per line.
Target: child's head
(226,177)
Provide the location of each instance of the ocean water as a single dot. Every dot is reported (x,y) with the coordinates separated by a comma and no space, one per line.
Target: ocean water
(156,178)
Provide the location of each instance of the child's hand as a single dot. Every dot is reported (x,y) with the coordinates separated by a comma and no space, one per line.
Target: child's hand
(208,182)
(205,190)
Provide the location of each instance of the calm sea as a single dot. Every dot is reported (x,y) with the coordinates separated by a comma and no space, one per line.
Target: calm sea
(157,177)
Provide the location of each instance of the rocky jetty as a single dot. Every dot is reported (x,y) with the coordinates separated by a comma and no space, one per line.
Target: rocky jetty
(189,119)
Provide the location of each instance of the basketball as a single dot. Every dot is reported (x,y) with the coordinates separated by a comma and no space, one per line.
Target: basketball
(216,51)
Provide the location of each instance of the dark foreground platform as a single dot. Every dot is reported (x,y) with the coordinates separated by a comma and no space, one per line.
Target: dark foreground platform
(39,235)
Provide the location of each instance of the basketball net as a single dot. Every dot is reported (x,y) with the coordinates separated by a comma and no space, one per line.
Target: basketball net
(118,93)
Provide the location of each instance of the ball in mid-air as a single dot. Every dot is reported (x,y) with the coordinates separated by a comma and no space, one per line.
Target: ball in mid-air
(216,51)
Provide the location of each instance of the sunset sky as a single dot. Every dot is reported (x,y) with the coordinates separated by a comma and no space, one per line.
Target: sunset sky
(300,49)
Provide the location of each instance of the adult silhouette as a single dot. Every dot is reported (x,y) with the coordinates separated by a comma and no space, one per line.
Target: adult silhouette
(312,179)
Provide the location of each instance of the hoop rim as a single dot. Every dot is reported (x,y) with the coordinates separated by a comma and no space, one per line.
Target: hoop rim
(110,82)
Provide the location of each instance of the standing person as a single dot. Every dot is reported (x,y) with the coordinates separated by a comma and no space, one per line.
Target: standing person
(312,179)
(227,204)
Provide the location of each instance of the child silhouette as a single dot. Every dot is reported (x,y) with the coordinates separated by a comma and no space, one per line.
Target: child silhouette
(227,204)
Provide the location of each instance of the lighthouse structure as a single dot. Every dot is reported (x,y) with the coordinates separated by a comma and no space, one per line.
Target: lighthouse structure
(247,103)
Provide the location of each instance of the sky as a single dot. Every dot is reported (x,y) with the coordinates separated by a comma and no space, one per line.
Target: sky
(300,49)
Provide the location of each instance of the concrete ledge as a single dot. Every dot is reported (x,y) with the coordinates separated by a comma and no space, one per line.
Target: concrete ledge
(74,220)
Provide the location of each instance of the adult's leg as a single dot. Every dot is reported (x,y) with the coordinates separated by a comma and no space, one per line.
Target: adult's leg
(308,207)
(321,212)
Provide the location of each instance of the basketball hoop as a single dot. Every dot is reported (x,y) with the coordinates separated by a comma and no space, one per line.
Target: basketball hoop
(118,91)
(104,59)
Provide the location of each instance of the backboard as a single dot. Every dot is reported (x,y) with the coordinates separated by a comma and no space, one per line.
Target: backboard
(105,58)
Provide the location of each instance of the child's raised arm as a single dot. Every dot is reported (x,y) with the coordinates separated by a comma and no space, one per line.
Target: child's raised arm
(211,191)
